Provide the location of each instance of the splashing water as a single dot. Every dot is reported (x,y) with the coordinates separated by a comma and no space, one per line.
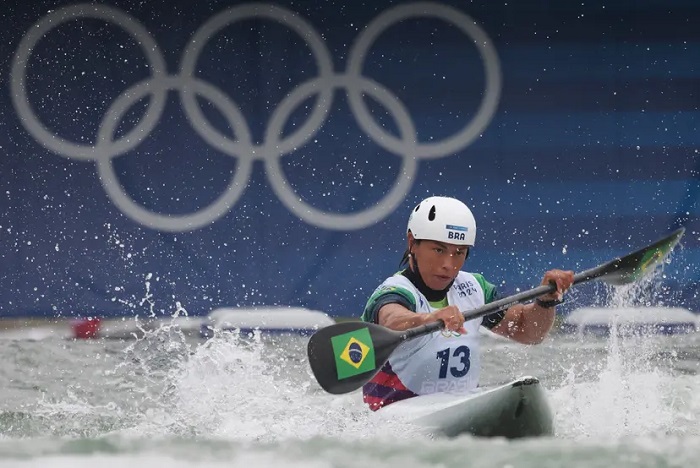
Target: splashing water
(238,389)
(244,389)
(623,401)
(630,395)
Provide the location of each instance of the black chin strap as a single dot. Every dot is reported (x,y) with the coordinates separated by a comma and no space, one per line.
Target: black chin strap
(432,295)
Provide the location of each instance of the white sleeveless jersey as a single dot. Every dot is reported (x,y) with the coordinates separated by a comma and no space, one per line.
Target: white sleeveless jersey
(436,362)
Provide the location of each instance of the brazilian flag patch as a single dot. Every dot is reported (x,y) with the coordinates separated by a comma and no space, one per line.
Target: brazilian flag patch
(354,353)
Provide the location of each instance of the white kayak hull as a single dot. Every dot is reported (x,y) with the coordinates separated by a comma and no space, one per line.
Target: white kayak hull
(517,409)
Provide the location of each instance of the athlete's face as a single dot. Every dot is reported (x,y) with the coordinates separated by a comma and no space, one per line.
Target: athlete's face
(438,262)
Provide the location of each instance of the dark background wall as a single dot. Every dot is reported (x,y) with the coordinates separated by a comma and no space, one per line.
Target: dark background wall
(158,155)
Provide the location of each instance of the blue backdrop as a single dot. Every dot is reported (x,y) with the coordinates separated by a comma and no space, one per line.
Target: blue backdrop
(170,154)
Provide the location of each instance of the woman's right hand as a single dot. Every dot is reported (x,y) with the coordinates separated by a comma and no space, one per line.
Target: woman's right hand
(451,316)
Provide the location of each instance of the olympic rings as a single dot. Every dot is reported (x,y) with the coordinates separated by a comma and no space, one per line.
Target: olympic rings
(275,143)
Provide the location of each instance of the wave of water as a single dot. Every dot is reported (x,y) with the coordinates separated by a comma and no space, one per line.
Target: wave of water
(252,401)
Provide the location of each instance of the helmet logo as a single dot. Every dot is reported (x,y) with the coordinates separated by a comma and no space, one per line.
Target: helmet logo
(456,232)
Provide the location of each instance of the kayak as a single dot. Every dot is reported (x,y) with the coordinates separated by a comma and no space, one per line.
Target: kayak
(516,409)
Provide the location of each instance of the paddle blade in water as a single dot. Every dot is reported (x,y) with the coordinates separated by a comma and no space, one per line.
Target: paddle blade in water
(345,356)
(632,267)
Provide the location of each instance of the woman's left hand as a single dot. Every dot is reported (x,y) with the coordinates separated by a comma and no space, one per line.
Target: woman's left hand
(563,279)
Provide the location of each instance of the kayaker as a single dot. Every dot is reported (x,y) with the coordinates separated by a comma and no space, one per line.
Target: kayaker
(431,287)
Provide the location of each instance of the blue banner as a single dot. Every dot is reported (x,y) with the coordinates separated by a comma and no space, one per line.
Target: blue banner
(168,155)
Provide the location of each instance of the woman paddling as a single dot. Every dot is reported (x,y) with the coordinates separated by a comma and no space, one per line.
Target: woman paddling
(432,287)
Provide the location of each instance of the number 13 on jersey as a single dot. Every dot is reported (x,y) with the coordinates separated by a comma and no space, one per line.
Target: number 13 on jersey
(457,361)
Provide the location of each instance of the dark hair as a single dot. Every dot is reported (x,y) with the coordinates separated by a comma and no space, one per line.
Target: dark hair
(407,253)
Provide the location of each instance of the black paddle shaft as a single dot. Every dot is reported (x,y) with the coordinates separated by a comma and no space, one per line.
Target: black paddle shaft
(500,305)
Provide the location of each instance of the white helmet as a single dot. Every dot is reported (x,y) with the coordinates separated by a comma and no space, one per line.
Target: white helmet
(443,219)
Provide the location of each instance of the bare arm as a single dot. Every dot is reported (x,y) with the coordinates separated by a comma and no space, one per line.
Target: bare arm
(398,317)
(530,323)
(526,323)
